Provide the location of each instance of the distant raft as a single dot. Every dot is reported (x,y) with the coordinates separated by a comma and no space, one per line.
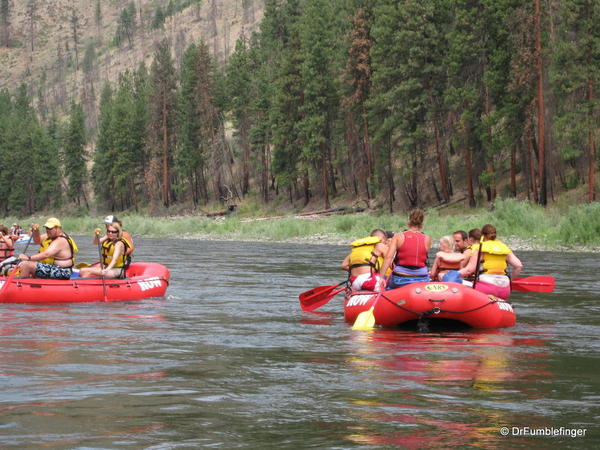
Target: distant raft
(431,301)
(23,239)
(143,280)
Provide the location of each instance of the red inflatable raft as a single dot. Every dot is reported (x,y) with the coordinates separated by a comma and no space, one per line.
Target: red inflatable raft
(143,280)
(431,301)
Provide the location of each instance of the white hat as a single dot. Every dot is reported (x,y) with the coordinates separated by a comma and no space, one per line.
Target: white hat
(110,219)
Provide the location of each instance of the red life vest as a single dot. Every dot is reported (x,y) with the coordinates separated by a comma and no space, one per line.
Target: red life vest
(412,252)
(6,251)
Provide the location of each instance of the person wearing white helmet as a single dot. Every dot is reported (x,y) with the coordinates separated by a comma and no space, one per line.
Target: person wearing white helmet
(108,220)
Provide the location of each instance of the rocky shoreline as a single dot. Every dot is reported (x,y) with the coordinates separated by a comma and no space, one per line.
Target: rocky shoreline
(514,242)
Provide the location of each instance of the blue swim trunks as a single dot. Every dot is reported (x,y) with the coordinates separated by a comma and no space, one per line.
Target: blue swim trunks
(43,270)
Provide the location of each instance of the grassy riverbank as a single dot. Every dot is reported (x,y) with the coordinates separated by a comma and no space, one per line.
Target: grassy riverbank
(523,224)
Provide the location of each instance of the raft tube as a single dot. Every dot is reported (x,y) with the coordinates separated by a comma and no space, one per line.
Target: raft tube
(143,280)
(431,300)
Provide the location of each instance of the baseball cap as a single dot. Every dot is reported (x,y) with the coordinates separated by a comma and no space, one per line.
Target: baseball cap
(110,219)
(52,222)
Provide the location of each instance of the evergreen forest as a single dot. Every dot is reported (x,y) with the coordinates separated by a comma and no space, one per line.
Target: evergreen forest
(392,104)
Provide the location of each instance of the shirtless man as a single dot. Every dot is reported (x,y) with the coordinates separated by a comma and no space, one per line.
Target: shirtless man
(56,256)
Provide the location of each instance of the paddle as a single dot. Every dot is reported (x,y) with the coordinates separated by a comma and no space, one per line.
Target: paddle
(83,265)
(318,296)
(539,283)
(365,321)
(101,265)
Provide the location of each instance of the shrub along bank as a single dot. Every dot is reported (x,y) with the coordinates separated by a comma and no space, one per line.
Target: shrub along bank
(524,224)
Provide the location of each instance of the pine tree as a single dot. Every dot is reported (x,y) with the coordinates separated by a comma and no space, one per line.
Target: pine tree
(575,69)
(190,156)
(465,91)
(162,105)
(45,192)
(287,101)
(320,100)
(239,87)
(358,76)
(74,156)
(102,177)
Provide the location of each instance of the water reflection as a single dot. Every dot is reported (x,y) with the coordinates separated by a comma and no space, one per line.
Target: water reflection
(228,360)
(438,389)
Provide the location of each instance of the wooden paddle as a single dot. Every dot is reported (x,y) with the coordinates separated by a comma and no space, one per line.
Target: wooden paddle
(318,296)
(539,283)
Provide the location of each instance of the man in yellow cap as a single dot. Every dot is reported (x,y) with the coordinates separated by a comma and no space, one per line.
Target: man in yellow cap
(56,256)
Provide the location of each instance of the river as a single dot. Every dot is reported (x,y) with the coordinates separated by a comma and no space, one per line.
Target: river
(227,359)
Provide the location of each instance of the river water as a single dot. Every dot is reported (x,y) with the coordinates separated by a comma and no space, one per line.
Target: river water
(229,360)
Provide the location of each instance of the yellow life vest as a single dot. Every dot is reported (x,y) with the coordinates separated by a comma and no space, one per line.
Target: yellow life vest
(46,243)
(108,249)
(362,253)
(493,257)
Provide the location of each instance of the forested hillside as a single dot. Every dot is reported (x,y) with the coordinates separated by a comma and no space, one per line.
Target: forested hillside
(391,103)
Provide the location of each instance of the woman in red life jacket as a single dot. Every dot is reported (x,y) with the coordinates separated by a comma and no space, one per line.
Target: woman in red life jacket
(7,248)
(408,252)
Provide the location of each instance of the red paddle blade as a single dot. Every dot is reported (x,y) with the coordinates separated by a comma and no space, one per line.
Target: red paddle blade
(317,297)
(540,283)
(316,291)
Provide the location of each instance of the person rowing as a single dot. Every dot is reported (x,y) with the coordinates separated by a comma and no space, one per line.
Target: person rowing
(7,247)
(56,256)
(108,221)
(364,261)
(114,255)
(489,262)
(408,251)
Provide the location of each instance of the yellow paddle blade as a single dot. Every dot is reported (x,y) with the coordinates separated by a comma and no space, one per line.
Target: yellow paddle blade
(365,321)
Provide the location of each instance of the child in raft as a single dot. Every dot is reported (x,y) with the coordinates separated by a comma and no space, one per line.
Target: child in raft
(445,260)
